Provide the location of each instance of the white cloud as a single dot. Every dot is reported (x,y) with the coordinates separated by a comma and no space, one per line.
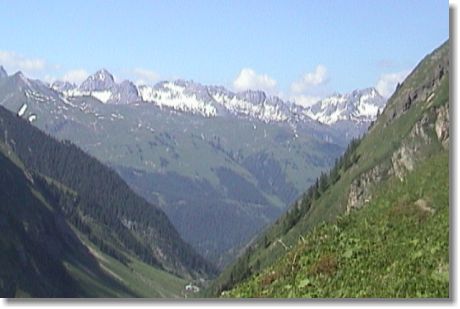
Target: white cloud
(309,80)
(249,79)
(15,62)
(49,78)
(305,100)
(75,76)
(145,76)
(386,84)
(310,88)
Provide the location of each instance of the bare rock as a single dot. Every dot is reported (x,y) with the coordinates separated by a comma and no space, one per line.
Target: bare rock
(442,125)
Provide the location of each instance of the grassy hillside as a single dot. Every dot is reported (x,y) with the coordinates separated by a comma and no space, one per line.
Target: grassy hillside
(413,128)
(397,246)
(249,170)
(136,277)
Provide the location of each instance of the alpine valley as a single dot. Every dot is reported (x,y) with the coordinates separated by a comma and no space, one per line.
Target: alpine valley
(376,225)
(221,165)
(108,189)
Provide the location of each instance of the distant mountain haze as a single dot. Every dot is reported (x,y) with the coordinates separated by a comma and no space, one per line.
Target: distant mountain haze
(221,164)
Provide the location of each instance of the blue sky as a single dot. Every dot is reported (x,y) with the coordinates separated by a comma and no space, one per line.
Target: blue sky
(297,49)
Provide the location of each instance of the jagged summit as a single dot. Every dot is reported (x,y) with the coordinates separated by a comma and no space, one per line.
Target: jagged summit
(358,106)
(99,81)
(102,86)
(63,86)
(187,96)
(3,72)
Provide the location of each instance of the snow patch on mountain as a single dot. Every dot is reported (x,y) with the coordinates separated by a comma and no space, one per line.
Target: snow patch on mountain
(102,96)
(256,106)
(358,106)
(169,94)
(210,101)
(102,86)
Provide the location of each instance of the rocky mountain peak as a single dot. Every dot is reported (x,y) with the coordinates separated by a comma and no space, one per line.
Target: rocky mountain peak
(99,81)
(21,79)
(103,74)
(3,73)
(62,86)
(360,105)
(189,96)
(254,96)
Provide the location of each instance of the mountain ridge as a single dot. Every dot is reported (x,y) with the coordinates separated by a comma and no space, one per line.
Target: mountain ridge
(151,145)
(208,101)
(142,228)
(373,180)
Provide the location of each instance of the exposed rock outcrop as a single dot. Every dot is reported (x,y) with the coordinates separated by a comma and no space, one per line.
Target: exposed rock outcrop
(407,95)
(403,161)
(442,125)
(361,188)
(405,158)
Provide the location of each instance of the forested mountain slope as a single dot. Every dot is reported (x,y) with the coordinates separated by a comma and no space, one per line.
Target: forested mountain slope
(381,214)
(55,192)
(251,154)
(45,255)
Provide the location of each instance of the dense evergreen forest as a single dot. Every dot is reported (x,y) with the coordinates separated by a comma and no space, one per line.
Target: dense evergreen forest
(102,206)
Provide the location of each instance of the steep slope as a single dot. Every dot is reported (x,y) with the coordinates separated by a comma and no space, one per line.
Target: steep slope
(106,210)
(397,246)
(388,173)
(33,239)
(349,113)
(251,152)
(357,106)
(102,86)
(250,168)
(45,255)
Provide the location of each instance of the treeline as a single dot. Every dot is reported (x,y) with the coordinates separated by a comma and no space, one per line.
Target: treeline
(245,267)
(70,205)
(322,183)
(105,199)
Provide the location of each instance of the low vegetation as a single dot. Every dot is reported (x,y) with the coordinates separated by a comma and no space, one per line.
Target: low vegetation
(411,124)
(396,247)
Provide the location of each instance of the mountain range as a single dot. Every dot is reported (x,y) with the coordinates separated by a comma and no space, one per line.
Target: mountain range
(251,153)
(212,101)
(377,224)
(110,189)
(70,226)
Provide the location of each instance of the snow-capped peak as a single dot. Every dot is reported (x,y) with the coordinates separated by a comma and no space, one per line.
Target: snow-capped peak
(359,106)
(210,101)
(179,95)
(103,74)
(100,81)
(102,86)
(254,104)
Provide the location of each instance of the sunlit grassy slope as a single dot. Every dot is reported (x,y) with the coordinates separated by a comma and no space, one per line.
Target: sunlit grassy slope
(407,124)
(398,246)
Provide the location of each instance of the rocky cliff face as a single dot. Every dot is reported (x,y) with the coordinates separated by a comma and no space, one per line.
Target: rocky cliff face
(442,125)
(361,188)
(414,91)
(432,127)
